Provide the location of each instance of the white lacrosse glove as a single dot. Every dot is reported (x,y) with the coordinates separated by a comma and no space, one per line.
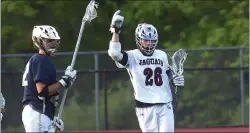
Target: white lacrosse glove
(178,80)
(68,78)
(58,123)
(116,23)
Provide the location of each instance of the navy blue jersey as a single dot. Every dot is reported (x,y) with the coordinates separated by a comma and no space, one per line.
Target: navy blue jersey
(40,68)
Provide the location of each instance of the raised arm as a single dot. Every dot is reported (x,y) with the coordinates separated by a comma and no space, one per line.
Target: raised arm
(115,51)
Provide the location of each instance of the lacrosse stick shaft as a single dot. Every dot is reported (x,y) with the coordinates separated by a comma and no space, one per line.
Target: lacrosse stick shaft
(78,43)
(72,65)
(177,68)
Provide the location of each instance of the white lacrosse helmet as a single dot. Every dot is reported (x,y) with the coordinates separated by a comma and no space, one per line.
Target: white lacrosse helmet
(147,32)
(46,38)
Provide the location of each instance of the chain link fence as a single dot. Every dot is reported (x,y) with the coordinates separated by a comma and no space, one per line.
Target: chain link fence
(217,76)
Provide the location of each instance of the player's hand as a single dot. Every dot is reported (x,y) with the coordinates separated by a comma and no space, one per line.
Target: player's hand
(68,78)
(58,123)
(116,23)
(55,99)
(178,80)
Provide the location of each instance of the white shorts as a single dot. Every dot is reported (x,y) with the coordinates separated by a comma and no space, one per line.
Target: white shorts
(156,118)
(34,121)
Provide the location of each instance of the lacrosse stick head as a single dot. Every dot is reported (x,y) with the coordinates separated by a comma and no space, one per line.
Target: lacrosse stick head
(178,60)
(90,12)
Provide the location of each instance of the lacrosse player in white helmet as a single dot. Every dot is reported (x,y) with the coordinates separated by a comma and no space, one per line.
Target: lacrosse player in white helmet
(40,94)
(148,69)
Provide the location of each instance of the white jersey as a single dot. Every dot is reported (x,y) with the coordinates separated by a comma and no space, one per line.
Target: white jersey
(148,76)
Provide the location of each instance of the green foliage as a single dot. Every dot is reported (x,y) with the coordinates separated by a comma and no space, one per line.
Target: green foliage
(237,118)
(14,129)
(121,113)
(208,99)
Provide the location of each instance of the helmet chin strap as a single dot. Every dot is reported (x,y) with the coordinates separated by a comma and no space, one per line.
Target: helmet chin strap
(143,50)
(51,51)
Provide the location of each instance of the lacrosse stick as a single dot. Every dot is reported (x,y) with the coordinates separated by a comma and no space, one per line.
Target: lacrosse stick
(178,60)
(90,14)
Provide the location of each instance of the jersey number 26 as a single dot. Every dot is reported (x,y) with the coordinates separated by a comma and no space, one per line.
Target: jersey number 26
(156,74)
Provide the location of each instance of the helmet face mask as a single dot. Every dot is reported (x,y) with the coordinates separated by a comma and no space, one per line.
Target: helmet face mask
(146,46)
(50,45)
(46,38)
(146,38)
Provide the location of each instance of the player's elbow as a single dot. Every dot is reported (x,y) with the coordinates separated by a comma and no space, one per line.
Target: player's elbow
(40,86)
(42,89)
(115,55)
(115,51)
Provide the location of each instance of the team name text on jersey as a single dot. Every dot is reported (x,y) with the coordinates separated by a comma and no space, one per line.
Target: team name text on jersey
(151,61)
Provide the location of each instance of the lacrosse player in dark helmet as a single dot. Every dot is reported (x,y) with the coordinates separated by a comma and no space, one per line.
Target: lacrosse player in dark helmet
(40,84)
(147,68)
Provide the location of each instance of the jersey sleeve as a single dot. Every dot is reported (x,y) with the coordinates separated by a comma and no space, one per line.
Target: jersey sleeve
(129,57)
(41,72)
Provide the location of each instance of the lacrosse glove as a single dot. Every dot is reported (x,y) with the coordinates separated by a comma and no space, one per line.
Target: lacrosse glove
(68,78)
(58,123)
(116,23)
(178,80)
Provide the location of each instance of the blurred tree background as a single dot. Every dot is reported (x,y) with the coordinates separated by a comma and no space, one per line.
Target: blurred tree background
(208,99)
